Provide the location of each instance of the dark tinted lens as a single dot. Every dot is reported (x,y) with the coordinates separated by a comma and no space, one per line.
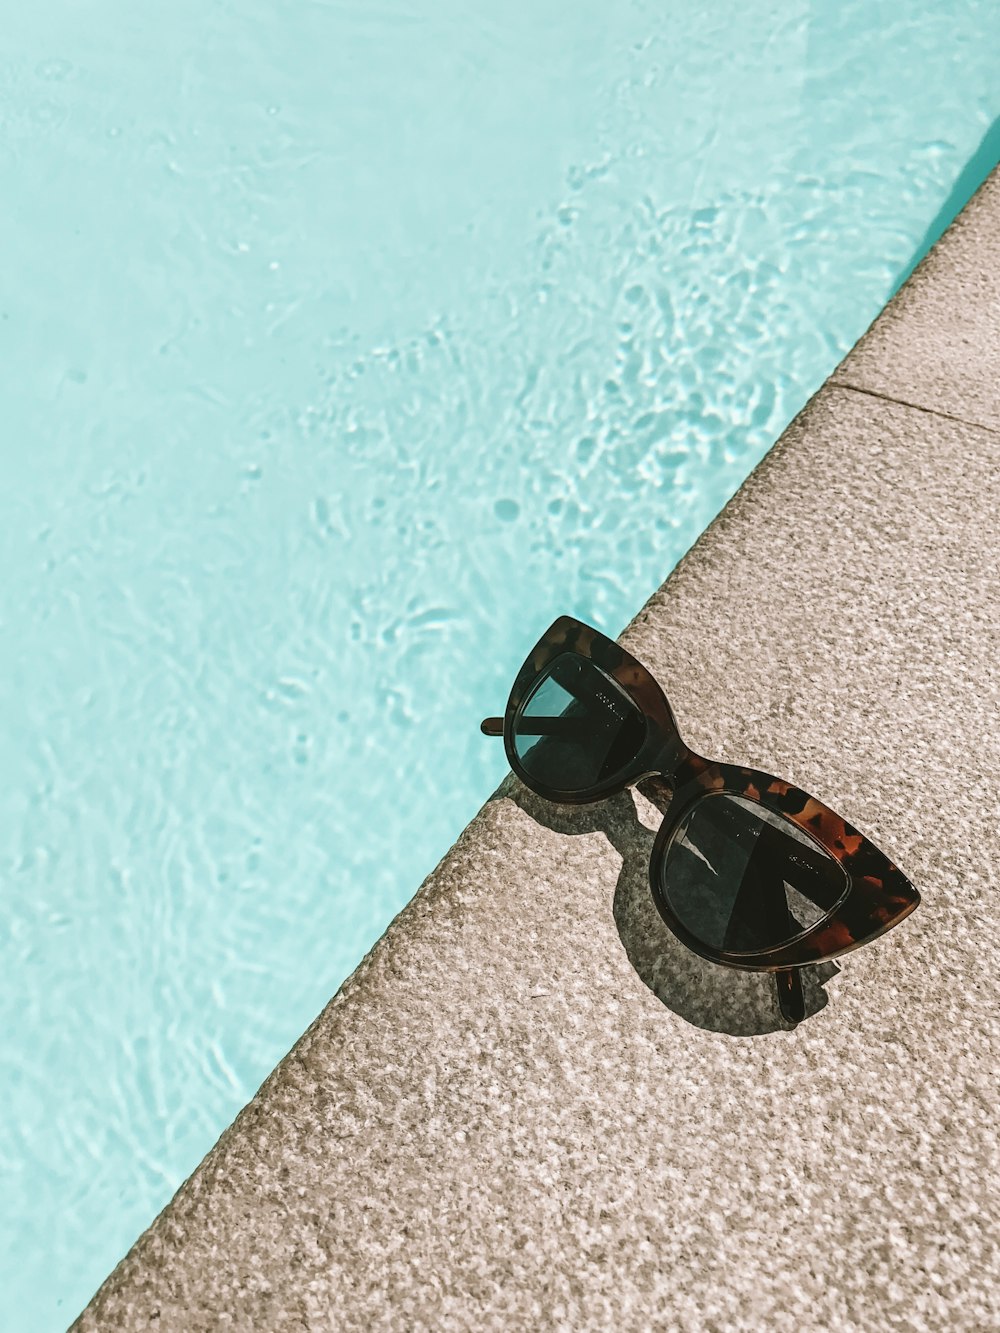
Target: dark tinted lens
(578,728)
(743,879)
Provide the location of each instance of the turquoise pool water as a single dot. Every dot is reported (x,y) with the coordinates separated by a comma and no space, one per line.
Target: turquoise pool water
(344,345)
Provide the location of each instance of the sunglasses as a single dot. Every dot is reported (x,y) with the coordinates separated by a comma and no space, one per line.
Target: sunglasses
(746,870)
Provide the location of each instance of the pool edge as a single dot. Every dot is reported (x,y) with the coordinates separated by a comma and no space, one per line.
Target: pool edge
(927,367)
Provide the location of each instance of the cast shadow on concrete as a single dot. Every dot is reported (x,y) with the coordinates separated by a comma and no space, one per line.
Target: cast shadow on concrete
(718,999)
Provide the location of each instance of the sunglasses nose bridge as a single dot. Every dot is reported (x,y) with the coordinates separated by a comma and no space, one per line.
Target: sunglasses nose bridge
(661,723)
(674,753)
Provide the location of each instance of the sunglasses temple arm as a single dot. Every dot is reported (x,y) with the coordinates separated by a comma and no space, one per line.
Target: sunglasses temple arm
(765,859)
(791,1002)
(568,728)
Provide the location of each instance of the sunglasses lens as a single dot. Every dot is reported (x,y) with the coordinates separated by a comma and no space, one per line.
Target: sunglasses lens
(744,879)
(577,728)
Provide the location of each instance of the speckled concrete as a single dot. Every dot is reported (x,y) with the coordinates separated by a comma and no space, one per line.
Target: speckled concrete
(531,1108)
(935,345)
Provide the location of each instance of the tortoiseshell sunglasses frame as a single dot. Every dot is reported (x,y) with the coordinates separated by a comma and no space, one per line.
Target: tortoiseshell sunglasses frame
(879,896)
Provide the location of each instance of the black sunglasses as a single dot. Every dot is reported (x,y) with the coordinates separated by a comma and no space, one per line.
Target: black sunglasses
(746,870)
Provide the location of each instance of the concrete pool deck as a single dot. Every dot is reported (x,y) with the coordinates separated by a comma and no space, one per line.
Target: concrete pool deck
(530,1107)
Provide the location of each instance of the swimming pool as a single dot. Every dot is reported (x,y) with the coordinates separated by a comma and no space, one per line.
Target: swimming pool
(345,346)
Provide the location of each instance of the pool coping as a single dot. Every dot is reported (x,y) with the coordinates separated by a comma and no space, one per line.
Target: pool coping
(478,1130)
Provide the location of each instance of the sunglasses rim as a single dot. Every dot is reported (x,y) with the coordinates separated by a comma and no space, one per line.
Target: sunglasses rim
(662,744)
(879,896)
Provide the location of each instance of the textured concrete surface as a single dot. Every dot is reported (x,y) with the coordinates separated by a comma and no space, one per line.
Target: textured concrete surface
(531,1108)
(935,345)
